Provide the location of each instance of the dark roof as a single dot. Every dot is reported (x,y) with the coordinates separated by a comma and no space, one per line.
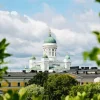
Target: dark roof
(29,75)
(19,75)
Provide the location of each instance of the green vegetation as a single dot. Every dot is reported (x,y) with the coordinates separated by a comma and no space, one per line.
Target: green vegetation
(3,55)
(11,95)
(39,79)
(83,96)
(89,89)
(57,86)
(34,92)
(94,54)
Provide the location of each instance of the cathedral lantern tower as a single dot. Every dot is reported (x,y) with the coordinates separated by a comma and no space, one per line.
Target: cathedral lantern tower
(50,47)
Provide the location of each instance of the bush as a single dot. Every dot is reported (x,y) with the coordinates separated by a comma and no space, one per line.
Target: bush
(90,89)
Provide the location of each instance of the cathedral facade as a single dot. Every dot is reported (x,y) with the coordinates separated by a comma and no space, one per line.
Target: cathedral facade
(49,61)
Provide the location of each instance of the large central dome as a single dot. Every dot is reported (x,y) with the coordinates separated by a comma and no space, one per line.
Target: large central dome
(50,39)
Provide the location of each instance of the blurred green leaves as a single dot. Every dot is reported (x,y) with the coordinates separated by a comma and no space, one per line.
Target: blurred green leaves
(94,54)
(82,96)
(97,0)
(3,55)
(12,95)
(3,48)
(97,35)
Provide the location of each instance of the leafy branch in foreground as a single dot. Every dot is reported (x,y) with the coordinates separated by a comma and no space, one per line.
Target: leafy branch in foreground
(3,48)
(82,96)
(3,55)
(97,0)
(94,54)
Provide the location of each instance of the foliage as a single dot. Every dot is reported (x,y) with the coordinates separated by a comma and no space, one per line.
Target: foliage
(83,96)
(58,85)
(90,89)
(39,79)
(11,95)
(94,54)
(97,0)
(34,92)
(3,55)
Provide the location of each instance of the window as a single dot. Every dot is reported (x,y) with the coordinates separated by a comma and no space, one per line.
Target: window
(9,84)
(25,84)
(82,83)
(18,84)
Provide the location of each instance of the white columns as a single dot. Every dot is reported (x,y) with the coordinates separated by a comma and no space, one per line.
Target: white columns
(44,64)
(51,50)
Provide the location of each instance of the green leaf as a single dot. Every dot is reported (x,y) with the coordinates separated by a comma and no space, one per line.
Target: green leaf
(85,55)
(97,35)
(97,1)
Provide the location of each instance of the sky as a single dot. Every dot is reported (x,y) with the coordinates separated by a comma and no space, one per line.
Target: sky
(25,25)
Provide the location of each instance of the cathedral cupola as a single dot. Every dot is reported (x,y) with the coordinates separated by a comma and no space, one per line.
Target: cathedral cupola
(50,47)
(50,39)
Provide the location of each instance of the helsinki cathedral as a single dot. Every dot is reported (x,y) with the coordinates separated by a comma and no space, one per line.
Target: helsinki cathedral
(49,61)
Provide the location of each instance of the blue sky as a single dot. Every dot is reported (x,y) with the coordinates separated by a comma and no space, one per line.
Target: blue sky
(25,24)
(31,7)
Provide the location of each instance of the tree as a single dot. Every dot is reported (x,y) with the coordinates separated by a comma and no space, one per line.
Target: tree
(39,79)
(57,86)
(34,92)
(89,89)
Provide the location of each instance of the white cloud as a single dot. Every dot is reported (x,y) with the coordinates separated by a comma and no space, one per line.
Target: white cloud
(26,34)
(50,17)
(95,27)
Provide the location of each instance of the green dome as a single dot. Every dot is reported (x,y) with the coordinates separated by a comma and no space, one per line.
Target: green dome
(45,56)
(67,57)
(33,58)
(50,39)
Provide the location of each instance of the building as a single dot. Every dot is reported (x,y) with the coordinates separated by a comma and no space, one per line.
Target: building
(49,61)
(16,80)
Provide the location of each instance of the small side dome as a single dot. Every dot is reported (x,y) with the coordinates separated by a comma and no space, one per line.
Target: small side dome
(67,57)
(45,56)
(33,58)
(50,39)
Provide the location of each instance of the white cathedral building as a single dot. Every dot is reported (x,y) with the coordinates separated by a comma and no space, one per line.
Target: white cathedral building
(49,61)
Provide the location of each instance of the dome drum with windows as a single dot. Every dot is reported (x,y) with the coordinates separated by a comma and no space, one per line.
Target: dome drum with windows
(49,47)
